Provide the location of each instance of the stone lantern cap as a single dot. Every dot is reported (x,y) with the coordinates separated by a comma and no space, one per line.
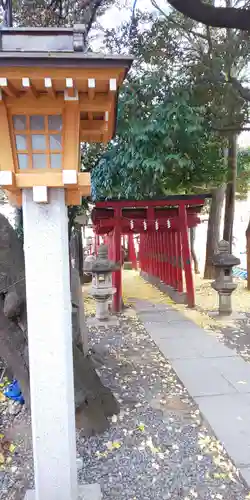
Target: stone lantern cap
(101,264)
(224,258)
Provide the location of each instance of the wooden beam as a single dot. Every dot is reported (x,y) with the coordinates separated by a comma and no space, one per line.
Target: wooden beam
(28,102)
(49,87)
(71,136)
(73,197)
(14,197)
(31,90)
(8,88)
(91,136)
(50,179)
(91,88)
(172,200)
(84,181)
(6,158)
(99,104)
(92,125)
(81,74)
(70,87)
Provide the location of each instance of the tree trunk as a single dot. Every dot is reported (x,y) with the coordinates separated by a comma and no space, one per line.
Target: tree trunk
(94,402)
(193,253)
(230,190)
(76,248)
(80,250)
(14,353)
(213,229)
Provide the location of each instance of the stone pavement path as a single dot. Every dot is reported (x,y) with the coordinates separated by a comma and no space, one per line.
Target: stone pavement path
(216,377)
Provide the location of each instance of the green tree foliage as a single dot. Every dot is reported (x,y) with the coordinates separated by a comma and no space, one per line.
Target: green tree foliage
(243,177)
(163,145)
(149,156)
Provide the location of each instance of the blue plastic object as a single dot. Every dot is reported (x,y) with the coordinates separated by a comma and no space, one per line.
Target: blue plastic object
(13,391)
(239,272)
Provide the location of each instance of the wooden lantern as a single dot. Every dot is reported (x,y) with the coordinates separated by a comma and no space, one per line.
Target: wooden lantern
(50,102)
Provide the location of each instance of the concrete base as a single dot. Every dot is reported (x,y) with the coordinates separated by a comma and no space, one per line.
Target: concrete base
(178,297)
(102,309)
(112,321)
(85,492)
(228,318)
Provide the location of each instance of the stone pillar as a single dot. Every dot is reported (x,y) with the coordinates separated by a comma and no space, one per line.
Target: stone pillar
(50,346)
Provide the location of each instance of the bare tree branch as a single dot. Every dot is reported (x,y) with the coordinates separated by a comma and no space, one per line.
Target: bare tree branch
(218,17)
(243,91)
(95,7)
(210,43)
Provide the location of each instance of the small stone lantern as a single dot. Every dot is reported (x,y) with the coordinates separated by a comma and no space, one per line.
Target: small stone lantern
(102,289)
(224,261)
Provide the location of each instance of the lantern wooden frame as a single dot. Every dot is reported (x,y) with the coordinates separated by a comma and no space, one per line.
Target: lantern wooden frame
(80,87)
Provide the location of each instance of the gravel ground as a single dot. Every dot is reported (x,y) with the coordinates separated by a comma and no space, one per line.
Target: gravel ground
(158,447)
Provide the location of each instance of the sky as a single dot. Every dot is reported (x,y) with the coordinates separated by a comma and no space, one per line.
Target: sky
(116,16)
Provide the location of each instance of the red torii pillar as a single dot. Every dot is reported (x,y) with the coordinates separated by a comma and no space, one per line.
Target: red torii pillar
(186,255)
(117,257)
(131,251)
(97,243)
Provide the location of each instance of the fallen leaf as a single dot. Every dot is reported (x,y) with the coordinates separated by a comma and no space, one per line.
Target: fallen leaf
(12,448)
(116,445)
(2,397)
(141,427)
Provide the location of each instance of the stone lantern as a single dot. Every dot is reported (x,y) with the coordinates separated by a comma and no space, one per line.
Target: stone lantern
(102,289)
(224,261)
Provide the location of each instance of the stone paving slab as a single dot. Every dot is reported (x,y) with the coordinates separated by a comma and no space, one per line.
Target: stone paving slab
(201,378)
(160,316)
(229,416)
(171,330)
(215,376)
(168,330)
(178,338)
(235,372)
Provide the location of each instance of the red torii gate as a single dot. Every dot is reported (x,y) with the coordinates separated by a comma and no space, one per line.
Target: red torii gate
(164,249)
